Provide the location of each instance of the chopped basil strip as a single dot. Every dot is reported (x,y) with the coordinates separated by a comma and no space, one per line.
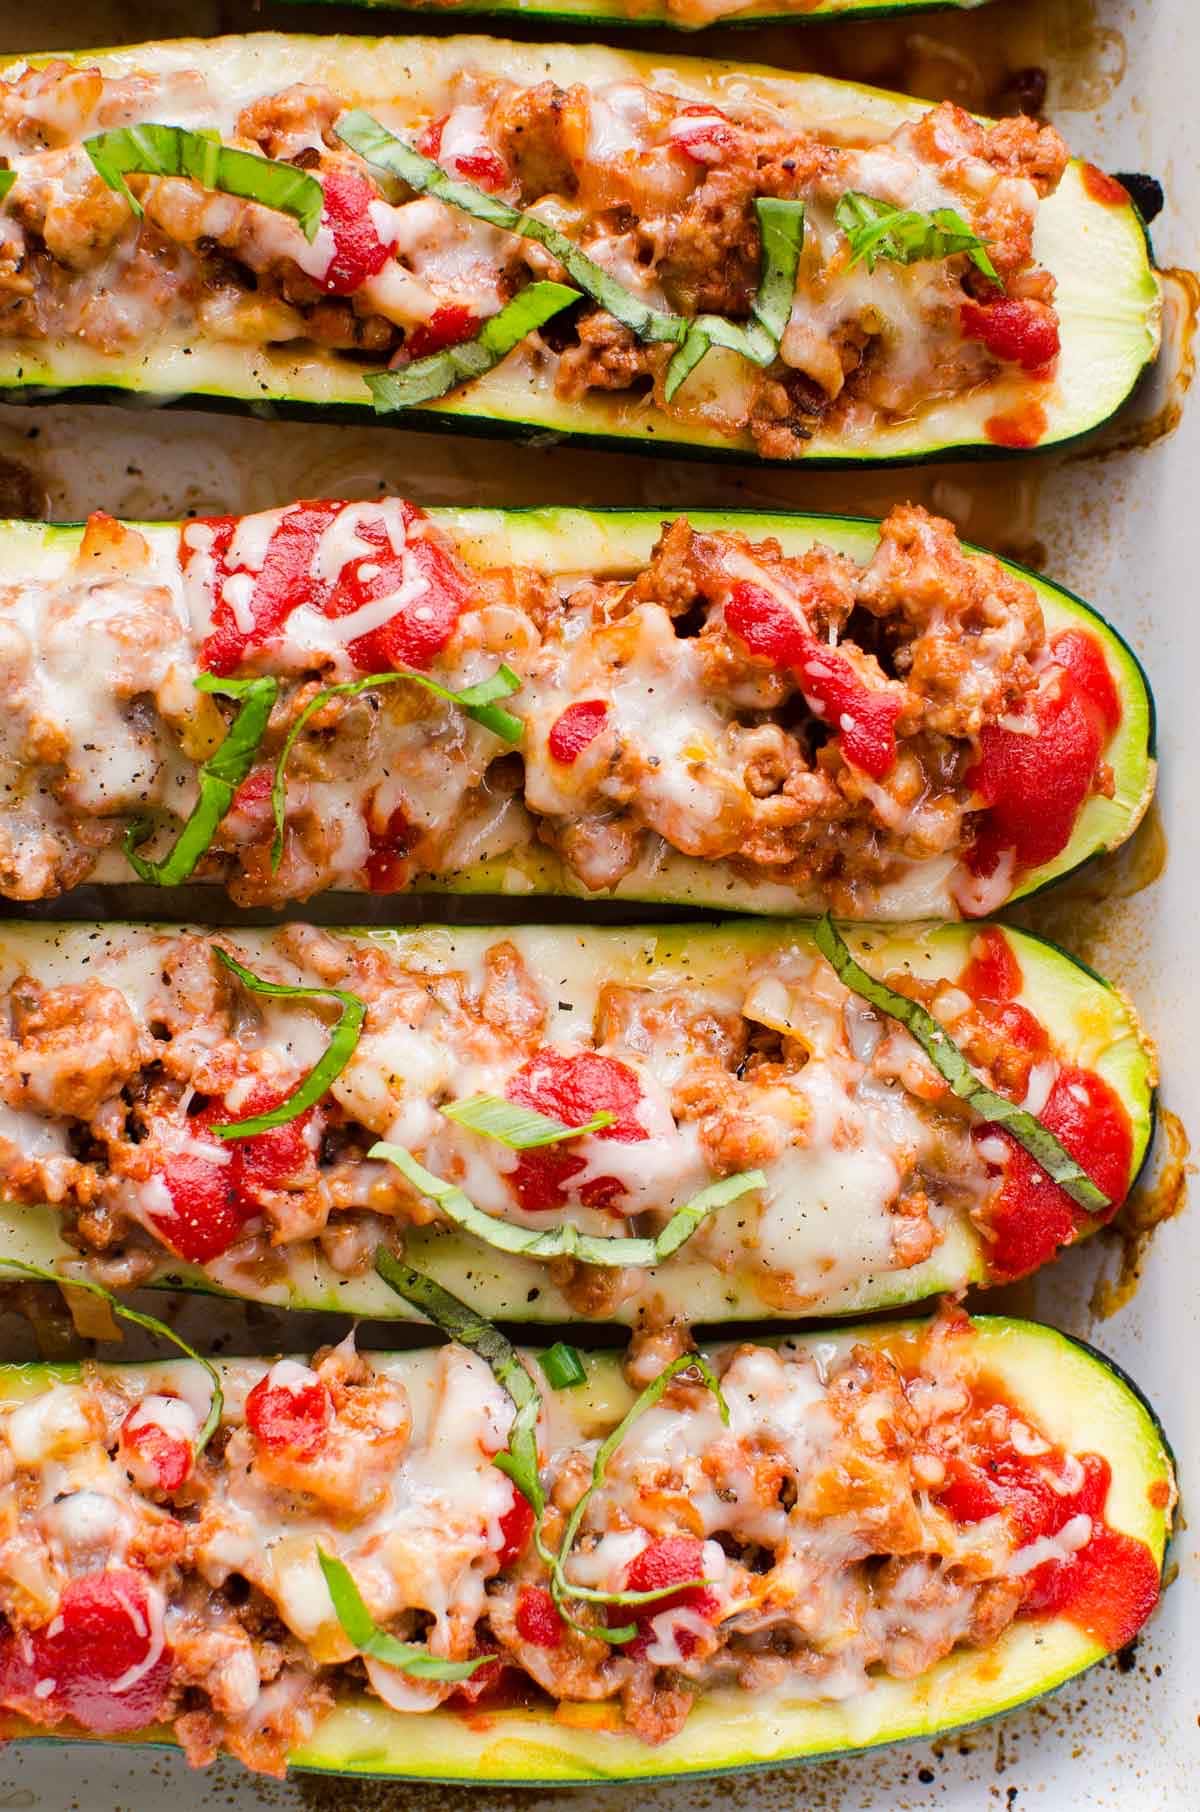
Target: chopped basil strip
(781,224)
(151,150)
(212,1420)
(219,778)
(478,701)
(520,1128)
(519,1460)
(7,179)
(566,1240)
(877,229)
(429,378)
(563,1366)
(562,1588)
(324,1072)
(382,148)
(363,1631)
(948,1060)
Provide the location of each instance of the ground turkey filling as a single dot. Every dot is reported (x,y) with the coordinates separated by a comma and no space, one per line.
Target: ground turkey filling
(658,190)
(111,1093)
(867,1509)
(900,737)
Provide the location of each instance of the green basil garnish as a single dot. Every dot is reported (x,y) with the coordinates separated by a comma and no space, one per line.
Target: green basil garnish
(431,377)
(781,224)
(566,1240)
(7,179)
(151,150)
(563,1366)
(877,229)
(363,1631)
(212,1420)
(561,1588)
(478,701)
(219,779)
(519,1459)
(520,1128)
(324,1072)
(937,1044)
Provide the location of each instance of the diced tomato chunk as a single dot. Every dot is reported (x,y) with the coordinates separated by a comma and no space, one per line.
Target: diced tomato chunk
(358,251)
(289,1413)
(572,1089)
(206,1215)
(703,133)
(664,1563)
(862,716)
(482,166)
(429,140)
(574,728)
(155,1453)
(1019,333)
(103,1652)
(448,325)
(387,869)
(516,1527)
(538,1620)
(1031,1216)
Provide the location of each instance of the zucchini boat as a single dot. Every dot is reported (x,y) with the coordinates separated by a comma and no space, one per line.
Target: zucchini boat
(683,15)
(718,1123)
(769,713)
(811,1549)
(466,233)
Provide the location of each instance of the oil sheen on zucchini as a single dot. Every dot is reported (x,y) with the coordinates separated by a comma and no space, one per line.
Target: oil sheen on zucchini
(612,543)
(1087,1020)
(1108,296)
(1077,1398)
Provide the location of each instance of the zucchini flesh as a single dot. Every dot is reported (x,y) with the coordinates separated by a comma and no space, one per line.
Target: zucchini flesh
(1108,297)
(1086,1020)
(616,543)
(1073,1395)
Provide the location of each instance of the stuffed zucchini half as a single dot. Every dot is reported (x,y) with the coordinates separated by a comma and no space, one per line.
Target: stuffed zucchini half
(578,240)
(785,1551)
(684,15)
(755,712)
(719,1123)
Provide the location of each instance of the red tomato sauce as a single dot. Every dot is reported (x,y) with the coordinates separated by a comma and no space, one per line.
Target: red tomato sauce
(1034,785)
(863,718)
(1022,427)
(213,1198)
(101,1634)
(291,1418)
(1109,1585)
(1015,332)
(1104,188)
(573,1089)
(413,636)
(1031,1216)
(358,251)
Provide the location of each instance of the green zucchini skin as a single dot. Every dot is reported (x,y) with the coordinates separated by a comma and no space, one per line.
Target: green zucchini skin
(615,542)
(1109,298)
(1086,1017)
(1077,1396)
(659,16)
